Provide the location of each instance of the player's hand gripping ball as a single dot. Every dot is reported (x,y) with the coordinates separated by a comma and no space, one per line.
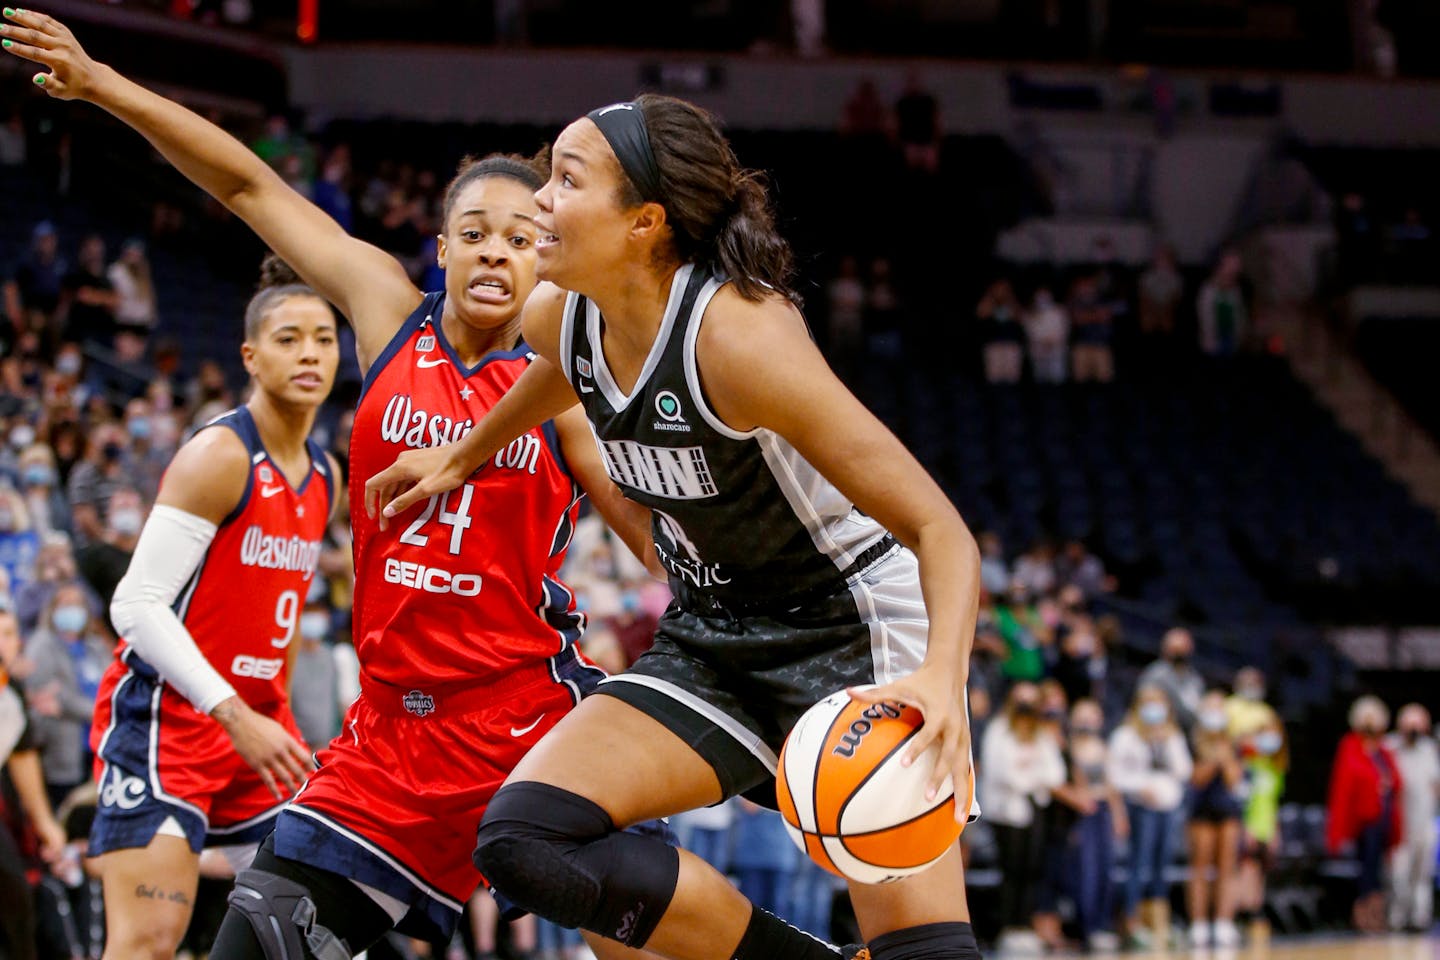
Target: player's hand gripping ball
(850,805)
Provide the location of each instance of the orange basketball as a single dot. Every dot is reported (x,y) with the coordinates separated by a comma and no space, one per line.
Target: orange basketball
(848,802)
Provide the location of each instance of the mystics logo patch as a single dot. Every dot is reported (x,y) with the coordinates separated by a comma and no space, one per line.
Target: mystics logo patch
(671,416)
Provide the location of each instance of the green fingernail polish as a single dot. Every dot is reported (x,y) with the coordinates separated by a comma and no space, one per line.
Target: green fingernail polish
(40,80)
(7,44)
(9,12)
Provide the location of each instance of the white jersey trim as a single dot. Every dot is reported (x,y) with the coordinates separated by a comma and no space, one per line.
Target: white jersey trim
(618,399)
(710,712)
(692,366)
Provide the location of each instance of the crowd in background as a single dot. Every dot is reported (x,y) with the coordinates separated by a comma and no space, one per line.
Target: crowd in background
(1086,781)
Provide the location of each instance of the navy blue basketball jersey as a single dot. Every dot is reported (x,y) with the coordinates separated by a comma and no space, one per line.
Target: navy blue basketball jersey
(738,516)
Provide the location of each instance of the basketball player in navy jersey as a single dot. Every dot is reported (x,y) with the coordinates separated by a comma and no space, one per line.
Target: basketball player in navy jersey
(465,635)
(778,501)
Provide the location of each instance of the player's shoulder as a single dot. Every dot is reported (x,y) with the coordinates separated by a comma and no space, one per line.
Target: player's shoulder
(209,474)
(736,325)
(541,321)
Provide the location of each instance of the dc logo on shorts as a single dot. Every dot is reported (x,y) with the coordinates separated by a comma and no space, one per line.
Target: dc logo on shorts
(123,792)
(419,703)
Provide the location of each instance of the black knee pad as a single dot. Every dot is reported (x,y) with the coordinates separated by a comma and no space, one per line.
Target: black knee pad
(559,856)
(282,914)
(930,941)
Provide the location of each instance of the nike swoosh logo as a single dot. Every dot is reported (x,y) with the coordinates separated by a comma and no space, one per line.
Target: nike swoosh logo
(521,731)
(268,492)
(425,363)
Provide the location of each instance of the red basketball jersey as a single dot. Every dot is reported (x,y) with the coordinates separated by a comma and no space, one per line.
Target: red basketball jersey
(244,601)
(464,586)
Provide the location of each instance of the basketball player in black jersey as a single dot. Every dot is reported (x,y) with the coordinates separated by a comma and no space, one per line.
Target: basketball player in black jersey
(778,500)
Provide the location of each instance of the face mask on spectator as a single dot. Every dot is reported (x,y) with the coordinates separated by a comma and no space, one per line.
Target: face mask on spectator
(314,624)
(126,522)
(21,436)
(71,618)
(1250,692)
(139,427)
(1152,714)
(1085,730)
(112,452)
(1179,660)
(38,475)
(1268,743)
(1212,720)
(1412,736)
(1026,709)
(68,364)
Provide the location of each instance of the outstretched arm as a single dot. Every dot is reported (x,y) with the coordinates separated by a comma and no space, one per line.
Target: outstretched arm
(367,285)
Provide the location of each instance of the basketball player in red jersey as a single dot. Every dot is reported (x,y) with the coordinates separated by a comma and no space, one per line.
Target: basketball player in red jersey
(194,740)
(464,633)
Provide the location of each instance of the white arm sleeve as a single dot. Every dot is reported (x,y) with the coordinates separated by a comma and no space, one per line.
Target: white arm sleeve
(170,549)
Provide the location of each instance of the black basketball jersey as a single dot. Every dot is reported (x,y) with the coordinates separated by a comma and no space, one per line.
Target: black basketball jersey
(739,516)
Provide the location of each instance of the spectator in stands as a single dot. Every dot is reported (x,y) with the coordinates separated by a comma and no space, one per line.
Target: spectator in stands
(135,310)
(1150,766)
(1214,828)
(917,126)
(209,389)
(314,679)
(1101,821)
(845,297)
(1412,862)
(1221,309)
(149,450)
(1160,289)
(1245,709)
(22,763)
(38,279)
(89,299)
(103,561)
(1080,665)
(68,658)
(1092,359)
(1266,760)
(1077,567)
(40,485)
(54,567)
(994,570)
(1365,806)
(763,857)
(1057,820)
(332,190)
(95,479)
(12,139)
(1028,638)
(866,115)
(705,832)
(19,543)
(1047,328)
(1035,569)
(999,314)
(1175,674)
(1019,768)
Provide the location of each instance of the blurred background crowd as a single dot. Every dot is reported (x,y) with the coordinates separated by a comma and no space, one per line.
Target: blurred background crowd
(1194,558)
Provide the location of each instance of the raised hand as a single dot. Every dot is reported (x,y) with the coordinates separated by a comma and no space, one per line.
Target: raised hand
(43,39)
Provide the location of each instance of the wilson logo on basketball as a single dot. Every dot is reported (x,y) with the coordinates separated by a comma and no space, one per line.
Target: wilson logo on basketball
(850,741)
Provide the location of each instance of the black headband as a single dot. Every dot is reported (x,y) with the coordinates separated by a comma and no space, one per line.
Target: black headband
(624,128)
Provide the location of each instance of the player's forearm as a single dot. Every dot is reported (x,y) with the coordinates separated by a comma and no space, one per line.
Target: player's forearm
(29,779)
(215,161)
(950,583)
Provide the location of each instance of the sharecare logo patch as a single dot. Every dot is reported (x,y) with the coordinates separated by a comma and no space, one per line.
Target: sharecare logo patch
(260,549)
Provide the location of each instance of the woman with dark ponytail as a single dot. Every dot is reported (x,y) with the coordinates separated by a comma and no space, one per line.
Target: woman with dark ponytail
(807,550)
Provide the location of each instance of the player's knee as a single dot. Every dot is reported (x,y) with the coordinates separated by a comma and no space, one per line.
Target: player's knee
(558,855)
(283,917)
(526,844)
(929,941)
